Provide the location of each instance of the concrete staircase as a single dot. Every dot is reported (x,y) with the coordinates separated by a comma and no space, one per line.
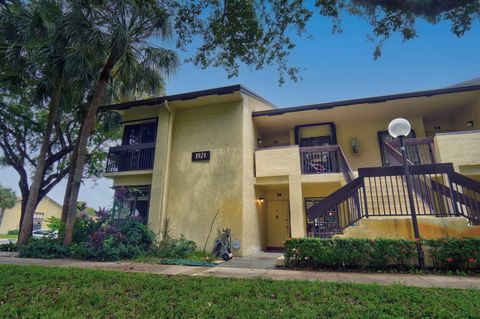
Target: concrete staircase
(388,196)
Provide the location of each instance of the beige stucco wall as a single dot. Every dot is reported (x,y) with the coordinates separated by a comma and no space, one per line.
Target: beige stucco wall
(462,149)
(132,180)
(366,134)
(470,113)
(195,191)
(364,131)
(401,228)
(11,218)
(277,161)
(254,214)
(198,189)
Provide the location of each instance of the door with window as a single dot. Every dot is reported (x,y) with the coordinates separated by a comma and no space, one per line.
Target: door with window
(138,135)
(278,223)
(412,151)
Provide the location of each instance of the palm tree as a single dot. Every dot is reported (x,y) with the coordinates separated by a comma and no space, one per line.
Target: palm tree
(121,31)
(33,48)
(7,200)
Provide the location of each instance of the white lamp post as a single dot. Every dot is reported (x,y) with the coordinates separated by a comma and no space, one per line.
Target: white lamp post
(401,128)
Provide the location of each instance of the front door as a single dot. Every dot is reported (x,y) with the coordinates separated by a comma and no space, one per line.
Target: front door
(278,223)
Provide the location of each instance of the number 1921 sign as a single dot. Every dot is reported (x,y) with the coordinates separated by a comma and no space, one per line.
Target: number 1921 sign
(200,156)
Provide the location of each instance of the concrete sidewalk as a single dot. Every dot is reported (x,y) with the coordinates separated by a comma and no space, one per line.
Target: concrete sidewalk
(428,281)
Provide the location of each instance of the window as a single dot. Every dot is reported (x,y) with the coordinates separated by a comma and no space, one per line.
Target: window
(139,133)
(136,200)
(322,226)
(37,220)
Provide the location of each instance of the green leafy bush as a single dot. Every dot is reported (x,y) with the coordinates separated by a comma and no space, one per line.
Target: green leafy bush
(42,248)
(106,239)
(54,223)
(136,234)
(336,253)
(455,254)
(175,248)
(13,232)
(348,253)
(9,247)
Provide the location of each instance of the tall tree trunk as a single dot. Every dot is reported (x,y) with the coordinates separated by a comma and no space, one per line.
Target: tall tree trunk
(27,222)
(68,190)
(23,185)
(82,143)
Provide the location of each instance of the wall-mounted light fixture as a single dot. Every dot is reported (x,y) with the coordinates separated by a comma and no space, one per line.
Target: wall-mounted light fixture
(259,141)
(354,147)
(470,124)
(261,199)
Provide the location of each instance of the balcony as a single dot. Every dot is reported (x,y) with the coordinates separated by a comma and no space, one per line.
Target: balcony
(292,160)
(130,158)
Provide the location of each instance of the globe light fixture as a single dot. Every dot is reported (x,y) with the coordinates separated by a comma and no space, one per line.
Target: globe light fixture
(399,127)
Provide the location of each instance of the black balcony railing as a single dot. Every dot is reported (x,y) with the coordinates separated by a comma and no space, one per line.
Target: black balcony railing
(130,158)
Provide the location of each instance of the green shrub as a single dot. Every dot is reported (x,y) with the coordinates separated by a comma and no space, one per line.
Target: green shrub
(455,254)
(42,248)
(393,252)
(54,224)
(175,248)
(10,247)
(348,253)
(109,251)
(336,253)
(111,241)
(136,234)
(13,232)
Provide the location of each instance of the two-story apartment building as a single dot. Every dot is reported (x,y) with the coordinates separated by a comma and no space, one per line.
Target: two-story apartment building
(229,158)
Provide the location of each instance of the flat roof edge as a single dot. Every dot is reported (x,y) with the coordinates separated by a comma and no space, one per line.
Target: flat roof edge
(376,99)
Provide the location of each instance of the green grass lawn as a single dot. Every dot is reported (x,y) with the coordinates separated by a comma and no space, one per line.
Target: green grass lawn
(40,292)
(5,236)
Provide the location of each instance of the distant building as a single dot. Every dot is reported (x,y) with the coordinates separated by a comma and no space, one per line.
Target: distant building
(45,209)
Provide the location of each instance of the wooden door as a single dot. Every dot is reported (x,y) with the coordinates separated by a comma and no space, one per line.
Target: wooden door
(278,223)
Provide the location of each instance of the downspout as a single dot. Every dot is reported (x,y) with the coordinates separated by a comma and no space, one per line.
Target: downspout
(166,173)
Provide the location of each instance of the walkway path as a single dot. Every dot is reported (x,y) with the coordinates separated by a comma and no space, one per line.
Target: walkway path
(275,274)
(262,260)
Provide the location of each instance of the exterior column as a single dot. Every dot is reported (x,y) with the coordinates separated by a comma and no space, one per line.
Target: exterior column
(297,214)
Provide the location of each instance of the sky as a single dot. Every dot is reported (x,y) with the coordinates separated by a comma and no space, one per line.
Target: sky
(335,67)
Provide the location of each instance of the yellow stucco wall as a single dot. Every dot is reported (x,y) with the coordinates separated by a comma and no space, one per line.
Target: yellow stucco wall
(470,113)
(254,214)
(198,189)
(11,218)
(132,180)
(364,131)
(462,149)
(366,134)
(401,228)
(277,161)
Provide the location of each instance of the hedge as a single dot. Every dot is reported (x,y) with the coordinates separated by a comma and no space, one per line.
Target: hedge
(336,253)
